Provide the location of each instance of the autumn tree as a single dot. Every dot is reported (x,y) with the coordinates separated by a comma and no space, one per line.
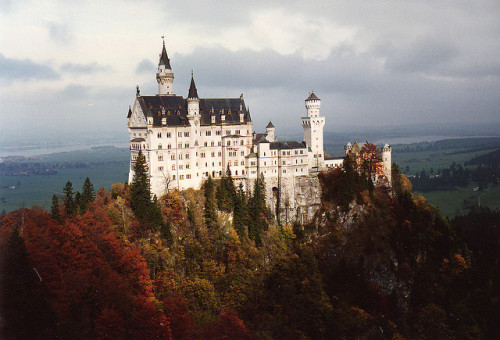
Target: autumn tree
(371,159)
(226,192)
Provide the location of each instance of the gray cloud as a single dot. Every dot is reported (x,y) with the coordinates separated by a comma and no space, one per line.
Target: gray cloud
(425,54)
(60,33)
(14,69)
(145,66)
(83,68)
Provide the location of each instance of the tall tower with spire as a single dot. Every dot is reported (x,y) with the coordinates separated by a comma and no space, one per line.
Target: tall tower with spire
(313,125)
(165,76)
(193,102)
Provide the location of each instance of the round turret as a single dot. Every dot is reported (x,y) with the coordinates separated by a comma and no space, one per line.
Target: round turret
(313,104)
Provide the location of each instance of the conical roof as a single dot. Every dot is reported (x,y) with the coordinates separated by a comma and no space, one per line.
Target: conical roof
(193,92)
(312,96)
(270,125)
(164,58)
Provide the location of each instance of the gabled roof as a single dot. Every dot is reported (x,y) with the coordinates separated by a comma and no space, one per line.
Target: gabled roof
(164,58)
(286,145)
(193,92)
(174,110)
(312,96)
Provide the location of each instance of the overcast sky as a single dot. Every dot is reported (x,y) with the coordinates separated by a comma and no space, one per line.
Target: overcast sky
(69,66)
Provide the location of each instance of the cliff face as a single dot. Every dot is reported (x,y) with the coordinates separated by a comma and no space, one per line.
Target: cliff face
(377,244)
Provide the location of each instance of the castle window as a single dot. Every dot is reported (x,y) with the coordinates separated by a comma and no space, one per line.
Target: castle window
(301,152)
(186,145)
(179,134)
(169,146)
(242,172)
(228,143)
(180,156)
(243,153)
(169,134)
(160,158)
(188,176)
(160,168)
(236,172)
(187,156)
(228,132)
(160,147)
(235,163)
(187,166)
(213,154)
(217,132)
(237,132)
(172,157)
(208,133)
(173,167)
(219,143)
(242,163)
(241,142)
(181,177)
(159,134)
(180,167)
(202,155)
(219,153)
(179,145)
(284,163)
(264,153)
(173,177)
(186,134)
(205,144)
(264,163)
(212,143)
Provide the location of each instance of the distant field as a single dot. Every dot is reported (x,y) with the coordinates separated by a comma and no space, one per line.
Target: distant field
(451,202)
(104,167)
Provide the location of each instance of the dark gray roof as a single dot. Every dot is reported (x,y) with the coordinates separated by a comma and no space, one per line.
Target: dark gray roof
(286,145)
(164,58)
(270,125)
(193,92)
(312,96)
(136,140)
(129,112)
(174,109)
(259,138)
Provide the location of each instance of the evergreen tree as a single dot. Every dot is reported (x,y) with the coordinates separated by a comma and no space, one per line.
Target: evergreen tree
(140,191)
(69,203)
(210,204)
(258,210)
(240,212)
(226,192)
(78,202)
(88,194)
(54,209)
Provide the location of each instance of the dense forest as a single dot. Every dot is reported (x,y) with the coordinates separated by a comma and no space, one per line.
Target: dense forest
(375,263)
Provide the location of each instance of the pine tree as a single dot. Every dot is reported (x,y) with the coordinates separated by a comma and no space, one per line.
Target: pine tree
(240,212)
(210,204)
(54,209)
(69,203)
(226,192)
(88,195)
(140,192)
(258,210)
(78,203)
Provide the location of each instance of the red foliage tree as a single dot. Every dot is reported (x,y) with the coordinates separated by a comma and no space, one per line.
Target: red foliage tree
(228,326)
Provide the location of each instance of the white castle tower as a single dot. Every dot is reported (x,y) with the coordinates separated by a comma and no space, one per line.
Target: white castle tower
(165,76)
(387,162)
(313,132)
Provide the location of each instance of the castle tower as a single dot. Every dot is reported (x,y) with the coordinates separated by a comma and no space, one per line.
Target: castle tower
(193,102)
(165,76)
(270,132)
(387,162)
(313,125)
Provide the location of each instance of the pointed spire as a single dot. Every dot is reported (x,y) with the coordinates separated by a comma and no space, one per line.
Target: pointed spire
(193,92)
(312,96)
(270,125)
(164,57)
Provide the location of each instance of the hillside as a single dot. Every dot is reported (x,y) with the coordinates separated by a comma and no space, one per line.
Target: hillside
(375,263)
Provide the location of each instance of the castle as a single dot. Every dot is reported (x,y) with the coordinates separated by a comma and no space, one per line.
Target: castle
(186,140)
